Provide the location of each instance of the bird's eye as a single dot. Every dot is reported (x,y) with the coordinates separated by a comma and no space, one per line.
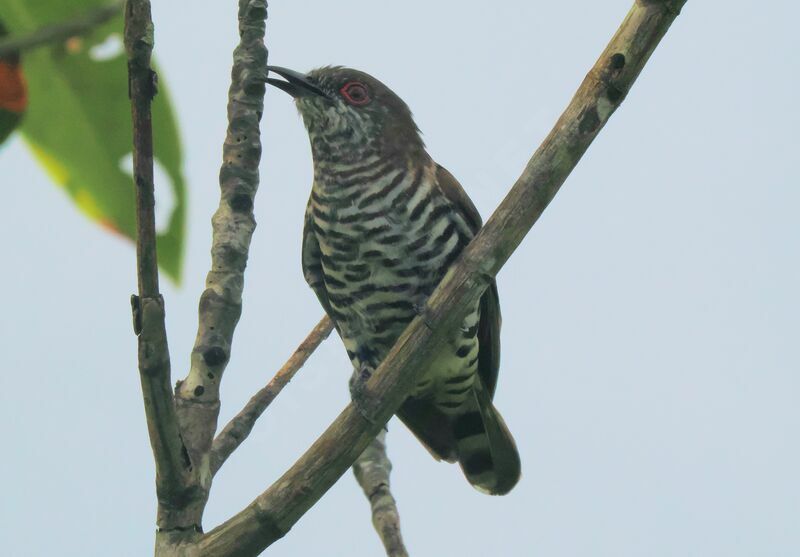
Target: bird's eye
(355,93)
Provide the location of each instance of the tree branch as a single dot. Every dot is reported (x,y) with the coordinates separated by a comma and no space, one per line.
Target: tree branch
(242,424)
(274,512)
(59,32)
(372,469)
(172,468)
(197,397)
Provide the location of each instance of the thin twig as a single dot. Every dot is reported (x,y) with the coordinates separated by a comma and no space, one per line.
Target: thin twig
(58,32)
(372,469)
(242,424)
(276,510)
(197,396)
(172,468)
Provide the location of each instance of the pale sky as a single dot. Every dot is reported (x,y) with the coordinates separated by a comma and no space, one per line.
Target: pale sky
(650,338)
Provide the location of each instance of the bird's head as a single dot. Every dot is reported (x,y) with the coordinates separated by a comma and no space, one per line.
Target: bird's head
(349,114)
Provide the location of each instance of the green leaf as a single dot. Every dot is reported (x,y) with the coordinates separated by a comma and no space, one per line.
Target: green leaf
(78,122)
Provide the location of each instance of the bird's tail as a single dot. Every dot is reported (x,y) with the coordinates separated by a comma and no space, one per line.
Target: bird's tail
(486,450)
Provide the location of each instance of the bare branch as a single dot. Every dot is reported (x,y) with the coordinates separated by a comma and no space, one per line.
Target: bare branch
(172,467)
(242,424)
(59,32)
(233,223)
(372,469)
(274,512)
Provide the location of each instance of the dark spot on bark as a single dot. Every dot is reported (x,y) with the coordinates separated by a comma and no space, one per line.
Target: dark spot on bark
(255,88)
(240,202)
(618,61)
(199,390)
(187,462)
(230,257)
(590,121)
(613,94)
(211,376)
(214,356)
(257,13)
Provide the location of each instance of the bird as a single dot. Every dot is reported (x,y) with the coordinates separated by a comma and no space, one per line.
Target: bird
(383,224)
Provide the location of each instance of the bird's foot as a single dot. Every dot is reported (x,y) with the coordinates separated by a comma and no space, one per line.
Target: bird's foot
(359,396)
(420,308)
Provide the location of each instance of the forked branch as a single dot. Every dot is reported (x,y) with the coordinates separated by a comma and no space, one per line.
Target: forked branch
(237,430)
(173,475)
(197,396)
(274,512)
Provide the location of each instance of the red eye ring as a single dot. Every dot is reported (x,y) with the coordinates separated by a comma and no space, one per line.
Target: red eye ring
(355,93)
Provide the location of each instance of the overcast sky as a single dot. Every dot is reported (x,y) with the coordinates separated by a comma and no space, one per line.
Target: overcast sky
(650,335)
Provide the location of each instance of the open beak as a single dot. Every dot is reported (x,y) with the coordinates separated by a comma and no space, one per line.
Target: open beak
(296,84)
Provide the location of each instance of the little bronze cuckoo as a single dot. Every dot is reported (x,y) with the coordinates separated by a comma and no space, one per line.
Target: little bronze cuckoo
(383,224)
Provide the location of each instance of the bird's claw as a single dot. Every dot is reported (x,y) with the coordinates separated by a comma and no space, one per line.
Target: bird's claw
(358,393)
(421,311)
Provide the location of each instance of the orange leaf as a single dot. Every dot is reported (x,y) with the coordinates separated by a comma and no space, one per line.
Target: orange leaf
(13,93)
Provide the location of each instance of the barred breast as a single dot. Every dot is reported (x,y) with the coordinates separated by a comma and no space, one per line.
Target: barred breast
(386,237)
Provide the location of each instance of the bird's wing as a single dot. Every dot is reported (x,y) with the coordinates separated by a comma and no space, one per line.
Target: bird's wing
(312,262)
(422,417)
(454,193)
(489,326)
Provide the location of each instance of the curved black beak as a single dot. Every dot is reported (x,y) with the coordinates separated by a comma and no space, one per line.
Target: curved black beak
(296,84)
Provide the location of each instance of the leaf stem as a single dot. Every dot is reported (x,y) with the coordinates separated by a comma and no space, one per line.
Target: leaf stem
(58,32)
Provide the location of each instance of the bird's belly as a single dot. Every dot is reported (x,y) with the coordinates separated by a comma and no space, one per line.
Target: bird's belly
(377,294)
(379,269)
